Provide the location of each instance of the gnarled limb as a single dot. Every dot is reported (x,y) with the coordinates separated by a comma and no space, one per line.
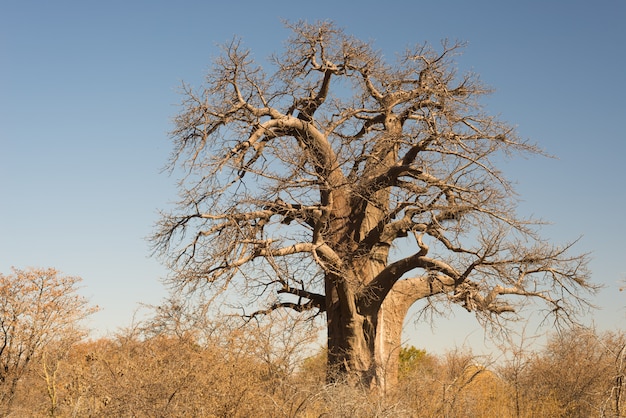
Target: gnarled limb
(311,183)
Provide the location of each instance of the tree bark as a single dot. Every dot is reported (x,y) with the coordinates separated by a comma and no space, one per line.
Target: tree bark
(390,323)
(351,334)
(364,347)
(350,346)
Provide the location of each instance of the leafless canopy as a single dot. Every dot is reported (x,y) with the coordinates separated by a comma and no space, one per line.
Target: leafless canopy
(343,172)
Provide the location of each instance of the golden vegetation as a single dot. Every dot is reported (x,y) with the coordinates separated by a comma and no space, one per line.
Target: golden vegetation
(180,363)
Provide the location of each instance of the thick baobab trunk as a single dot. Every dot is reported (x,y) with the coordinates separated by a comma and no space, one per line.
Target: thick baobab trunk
(389,333)
(364,335)
(351,342)
(390,321)
(365,348)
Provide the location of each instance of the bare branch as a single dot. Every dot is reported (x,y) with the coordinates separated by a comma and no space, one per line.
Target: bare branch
(351,173)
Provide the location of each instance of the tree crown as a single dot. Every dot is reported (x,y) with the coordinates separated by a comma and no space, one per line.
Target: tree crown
(314,174)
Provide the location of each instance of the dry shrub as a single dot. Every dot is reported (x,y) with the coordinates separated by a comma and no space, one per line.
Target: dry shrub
(267,368)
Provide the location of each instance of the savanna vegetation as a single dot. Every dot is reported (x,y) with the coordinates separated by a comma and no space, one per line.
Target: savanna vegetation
(179,363)
(326,194)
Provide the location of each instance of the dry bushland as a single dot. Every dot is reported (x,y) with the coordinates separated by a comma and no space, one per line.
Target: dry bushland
(132,374)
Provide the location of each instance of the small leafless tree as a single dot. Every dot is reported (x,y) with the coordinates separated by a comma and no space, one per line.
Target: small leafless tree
(348,185)
(39,310)
(577,374)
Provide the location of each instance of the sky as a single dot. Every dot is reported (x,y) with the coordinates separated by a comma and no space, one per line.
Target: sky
(88,90)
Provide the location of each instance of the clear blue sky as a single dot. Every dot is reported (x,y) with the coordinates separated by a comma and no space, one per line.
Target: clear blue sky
(88,89)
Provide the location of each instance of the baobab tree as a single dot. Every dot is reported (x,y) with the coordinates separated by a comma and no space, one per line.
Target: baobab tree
(345,185)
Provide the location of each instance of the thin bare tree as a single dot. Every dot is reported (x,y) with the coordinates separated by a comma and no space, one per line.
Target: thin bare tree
(348,185)
(40,310)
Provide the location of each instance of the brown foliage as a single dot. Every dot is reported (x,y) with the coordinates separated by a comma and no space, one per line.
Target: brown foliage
(454,385)
(233,374)
(40,314)
(578,374)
